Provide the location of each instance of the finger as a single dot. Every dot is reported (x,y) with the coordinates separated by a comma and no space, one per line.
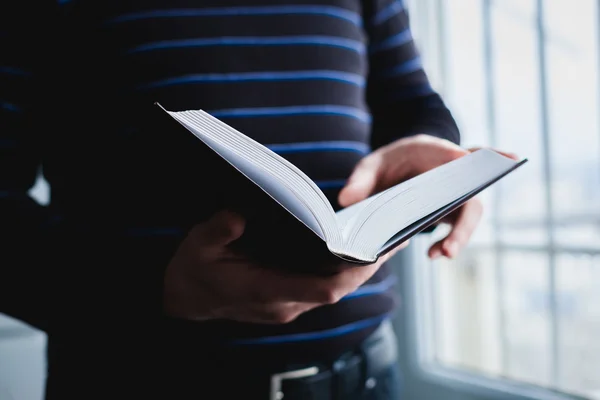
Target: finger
(317,289)
(221,229)
(273,313)
(504,153)
(362,181)
(402,246)
(462,229)
(421,154)
(435,251)
(393,252)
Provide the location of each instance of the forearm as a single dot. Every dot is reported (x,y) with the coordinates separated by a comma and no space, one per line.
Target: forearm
(25,263)
(111,276)
(55,272)
(55,275)
(422,115)
(399,93)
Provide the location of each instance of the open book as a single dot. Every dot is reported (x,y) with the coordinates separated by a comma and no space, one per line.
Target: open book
(366,230)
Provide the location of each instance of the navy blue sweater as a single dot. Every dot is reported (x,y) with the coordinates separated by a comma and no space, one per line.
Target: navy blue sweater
(321,82)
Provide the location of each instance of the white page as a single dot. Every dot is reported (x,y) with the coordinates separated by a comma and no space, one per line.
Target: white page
(277,190)
(347,216)
(424,195)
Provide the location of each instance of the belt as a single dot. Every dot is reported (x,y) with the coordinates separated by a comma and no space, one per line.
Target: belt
(348,376)
(235,374)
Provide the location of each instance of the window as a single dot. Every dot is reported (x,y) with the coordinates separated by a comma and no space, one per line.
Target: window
(522,303)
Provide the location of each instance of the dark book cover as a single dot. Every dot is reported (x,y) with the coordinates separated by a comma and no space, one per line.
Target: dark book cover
(191,182)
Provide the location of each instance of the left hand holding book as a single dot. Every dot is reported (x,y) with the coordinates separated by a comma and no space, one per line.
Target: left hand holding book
(208,280)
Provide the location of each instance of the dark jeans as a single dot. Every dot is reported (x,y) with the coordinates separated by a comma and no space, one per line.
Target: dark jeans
(389,386)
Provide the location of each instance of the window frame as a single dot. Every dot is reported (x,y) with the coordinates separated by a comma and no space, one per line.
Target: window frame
(424,378)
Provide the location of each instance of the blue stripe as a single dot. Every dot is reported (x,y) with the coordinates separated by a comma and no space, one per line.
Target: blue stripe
(143,232)
(331,41)
(310,336)
(326,109)
(339,76)
(391,42)
(333,184)
(412,92)
(335,12)
(405,68)
(9,106)
(372,289)
(13,71)
(309,147)
(388,12)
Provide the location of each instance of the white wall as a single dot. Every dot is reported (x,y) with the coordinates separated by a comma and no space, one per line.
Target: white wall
(22,361)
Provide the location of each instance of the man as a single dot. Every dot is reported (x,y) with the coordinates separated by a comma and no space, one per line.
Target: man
(134,300)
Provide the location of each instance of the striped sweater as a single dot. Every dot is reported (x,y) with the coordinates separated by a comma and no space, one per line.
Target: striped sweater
(321,82)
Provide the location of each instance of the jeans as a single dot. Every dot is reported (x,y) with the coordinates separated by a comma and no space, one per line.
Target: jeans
(388,387)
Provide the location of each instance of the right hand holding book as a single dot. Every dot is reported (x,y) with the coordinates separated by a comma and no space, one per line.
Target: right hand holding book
(405,159)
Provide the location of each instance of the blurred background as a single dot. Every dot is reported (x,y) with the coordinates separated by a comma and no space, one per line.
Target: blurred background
(517,316)
(523,302)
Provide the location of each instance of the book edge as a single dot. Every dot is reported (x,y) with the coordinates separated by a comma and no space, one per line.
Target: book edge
(437,216)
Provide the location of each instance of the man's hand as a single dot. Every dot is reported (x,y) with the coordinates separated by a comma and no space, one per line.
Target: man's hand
(404,159)
(207,280)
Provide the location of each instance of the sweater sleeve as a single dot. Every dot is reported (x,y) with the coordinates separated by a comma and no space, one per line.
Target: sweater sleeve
(399,93)
(23,221)
(50,273)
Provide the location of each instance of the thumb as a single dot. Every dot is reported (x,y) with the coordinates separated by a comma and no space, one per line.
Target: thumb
(361,184)
(221,229)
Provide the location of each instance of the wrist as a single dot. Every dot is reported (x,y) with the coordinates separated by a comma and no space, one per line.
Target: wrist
(173,291)
(181,296)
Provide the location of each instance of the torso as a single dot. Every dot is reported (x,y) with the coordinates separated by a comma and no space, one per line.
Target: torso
(292,81)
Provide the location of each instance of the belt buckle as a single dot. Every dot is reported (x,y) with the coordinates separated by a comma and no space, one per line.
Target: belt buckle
(277,379)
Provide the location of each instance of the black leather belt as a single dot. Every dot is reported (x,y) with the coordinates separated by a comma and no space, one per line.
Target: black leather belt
(346,377)
(269,375)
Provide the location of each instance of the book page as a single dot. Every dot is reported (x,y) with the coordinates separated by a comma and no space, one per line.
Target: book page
(416,198)
(279,191)
(279,178)
(347,216)
(260,175)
